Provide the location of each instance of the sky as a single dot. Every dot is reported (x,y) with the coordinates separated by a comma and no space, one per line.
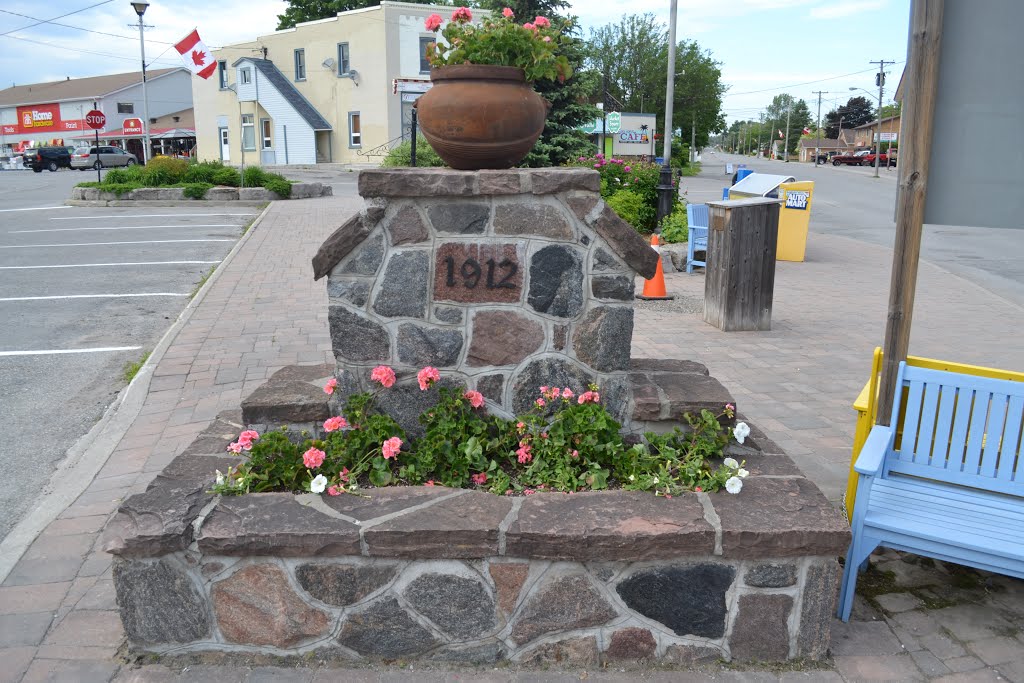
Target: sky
(766,47)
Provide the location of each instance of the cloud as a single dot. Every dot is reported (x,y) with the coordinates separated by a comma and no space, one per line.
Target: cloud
(838,10)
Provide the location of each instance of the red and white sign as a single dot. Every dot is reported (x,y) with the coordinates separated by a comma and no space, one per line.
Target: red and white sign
(10,130)
(196,55)
(95,119)
(132,126)
(39,118)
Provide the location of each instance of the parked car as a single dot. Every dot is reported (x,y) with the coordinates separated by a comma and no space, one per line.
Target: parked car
(50,158)
(855,159)
(883,158)
(85,158)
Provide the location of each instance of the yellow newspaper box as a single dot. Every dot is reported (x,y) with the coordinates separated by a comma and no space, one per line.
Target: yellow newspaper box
(794,218)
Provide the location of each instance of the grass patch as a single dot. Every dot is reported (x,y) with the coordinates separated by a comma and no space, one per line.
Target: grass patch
(690,169)
(132,368)
(202,281)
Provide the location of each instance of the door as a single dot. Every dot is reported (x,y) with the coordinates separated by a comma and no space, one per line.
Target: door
(225,149)
(267,154)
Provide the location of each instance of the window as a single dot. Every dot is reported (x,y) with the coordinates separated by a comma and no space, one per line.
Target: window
(125,107)
(244,76)
(248,132)
(425,42)
(222,73)
(300,65)
(355,135)
(266,133)
(343,61)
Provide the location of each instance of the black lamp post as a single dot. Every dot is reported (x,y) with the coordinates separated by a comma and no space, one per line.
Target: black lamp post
(665,186)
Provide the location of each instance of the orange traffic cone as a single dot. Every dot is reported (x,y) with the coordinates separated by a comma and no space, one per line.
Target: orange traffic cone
(655,287)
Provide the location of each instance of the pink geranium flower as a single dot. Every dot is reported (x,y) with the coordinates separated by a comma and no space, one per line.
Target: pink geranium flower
(542,22)
(427,376)
(529,26)
(313,458)
(547,39)
(249,435)
(333,424)
(333,491)
(428,482)
(235,447)
(589,397)
(507,12)
(541,402)
(433,22)
(343,475)
(475,398)
(479,479)
(384,375)
(390,448)
(462,15)
(567,393)
(331,385)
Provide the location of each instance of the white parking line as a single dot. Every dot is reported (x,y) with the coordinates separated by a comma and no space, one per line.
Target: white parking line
(89,296)
(37,208)
(103,244)
(143,215)
(51,352)
(104,265)
(133,227)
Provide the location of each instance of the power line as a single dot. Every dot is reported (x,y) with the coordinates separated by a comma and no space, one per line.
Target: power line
(44,21)
(796,85)
(75,49)
(77,28)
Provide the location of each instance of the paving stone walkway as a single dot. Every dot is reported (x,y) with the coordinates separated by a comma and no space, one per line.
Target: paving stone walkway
(58,617)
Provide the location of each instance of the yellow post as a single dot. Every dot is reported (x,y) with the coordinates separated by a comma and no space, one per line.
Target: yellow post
(794,219)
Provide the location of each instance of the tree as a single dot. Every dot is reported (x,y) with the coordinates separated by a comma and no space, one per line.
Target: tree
(856,112)
(299,11)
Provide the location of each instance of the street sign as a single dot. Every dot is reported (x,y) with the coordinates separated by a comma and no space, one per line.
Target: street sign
(95,119)
(597,126)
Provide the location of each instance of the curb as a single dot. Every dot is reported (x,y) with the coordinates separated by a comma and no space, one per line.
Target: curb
(90,452)
(167,202)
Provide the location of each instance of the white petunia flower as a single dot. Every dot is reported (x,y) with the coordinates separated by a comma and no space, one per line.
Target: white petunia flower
(731,463)
(741,431)
(220,477)
(655,480)
(734,485)
(319,484)
(632,478)
(742,473)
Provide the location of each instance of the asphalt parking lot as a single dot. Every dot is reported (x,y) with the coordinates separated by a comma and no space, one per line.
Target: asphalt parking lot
(83,292)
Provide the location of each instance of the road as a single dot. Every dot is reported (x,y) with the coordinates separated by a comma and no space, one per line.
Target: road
(850,201)
(83,292)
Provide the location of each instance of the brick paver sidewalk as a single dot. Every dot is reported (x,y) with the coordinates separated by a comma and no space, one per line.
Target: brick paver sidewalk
(58,618)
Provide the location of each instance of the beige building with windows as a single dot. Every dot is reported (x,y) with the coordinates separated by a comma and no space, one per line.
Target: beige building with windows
(335,90)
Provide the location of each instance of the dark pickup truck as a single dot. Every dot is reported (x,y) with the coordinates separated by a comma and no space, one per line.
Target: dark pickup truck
(50,158)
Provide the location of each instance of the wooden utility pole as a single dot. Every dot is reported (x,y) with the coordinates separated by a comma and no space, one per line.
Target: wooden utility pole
(881,89)
(817,144)
(921,79)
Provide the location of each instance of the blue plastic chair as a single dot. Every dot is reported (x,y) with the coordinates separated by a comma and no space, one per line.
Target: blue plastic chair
(697,218)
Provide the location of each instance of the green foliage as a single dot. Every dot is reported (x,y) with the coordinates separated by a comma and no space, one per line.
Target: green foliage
(676,227)
(401,154)
(158,176)
(502,41)
(119,188)
(299,11)
(628,205)
(278,185)
(132,368)
(253,176)
(564,442)
(227,176)
(856,112)
(167,167)
(196,190)
(203,172)
(640,178)
(744,135)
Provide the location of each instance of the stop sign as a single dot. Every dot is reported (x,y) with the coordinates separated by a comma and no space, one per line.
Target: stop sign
(95,119)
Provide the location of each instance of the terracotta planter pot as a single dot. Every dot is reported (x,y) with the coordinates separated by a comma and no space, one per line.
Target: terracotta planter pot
(481,116)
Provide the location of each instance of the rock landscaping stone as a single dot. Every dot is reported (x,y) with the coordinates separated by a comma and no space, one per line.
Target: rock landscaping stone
(770,575)
(342,585)
(545,220)
(419,345)
(385,630)
(403,292)
(356,338)
(605,261)
(495,182)
(491,386)
(258,194)
(279,403)
(690,655)
(761,631)
(340,243)
(690,600)
(310,190)
(551,371)
(488,653)
(193,470)
(374,503)
(158,521)
(603,338)
(365,259)
(571,652)
(633,248)
(416,182)
(821,591)
(508,582)
(407,227)
(502,338)
(616,287)
(448,314)
(475,273)
(355,292)
(223,194)
(462,608)
(609,525)
(160,588)
(256,606)
(556,281)
(631,644)
(459,218)
(554,180)
(562,604)
(405,403)
(679,391)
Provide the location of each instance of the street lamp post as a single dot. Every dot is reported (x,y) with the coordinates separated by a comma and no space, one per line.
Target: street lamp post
(140,7)
(878,143)
(665,187)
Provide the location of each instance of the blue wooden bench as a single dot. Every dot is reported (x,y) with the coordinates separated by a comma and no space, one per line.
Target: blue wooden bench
(697,222)
(951,487)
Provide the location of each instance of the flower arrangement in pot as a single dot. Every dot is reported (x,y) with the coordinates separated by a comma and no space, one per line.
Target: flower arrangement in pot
(481,111)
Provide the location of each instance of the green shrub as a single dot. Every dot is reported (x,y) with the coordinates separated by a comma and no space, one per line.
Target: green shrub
(253,176)
(680,153)
(227,176)
(201,173)
(401,155)
(116,176)
(173,168)
(119,188)
(196,190)
(88,183)
(158,176)
(675,228)
(628,205)
(279,185)
(128,174)
(639,177)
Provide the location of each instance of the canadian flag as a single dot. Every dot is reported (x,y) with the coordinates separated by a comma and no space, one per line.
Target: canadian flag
(780,133)
(807,131)
(195,55)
